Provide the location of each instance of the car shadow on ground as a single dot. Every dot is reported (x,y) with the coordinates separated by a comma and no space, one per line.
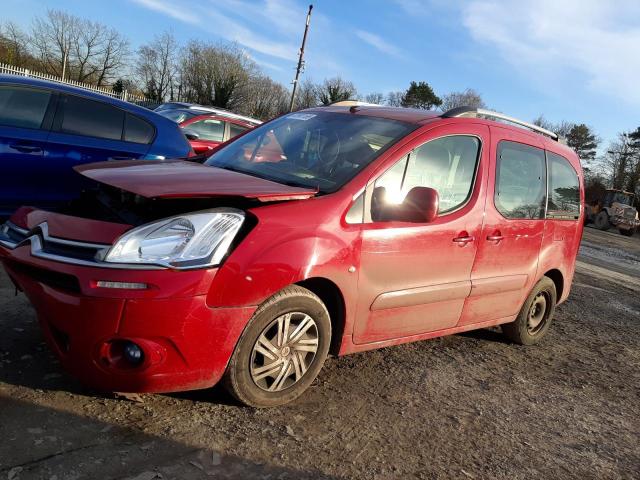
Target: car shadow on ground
(41,442)
(493,334)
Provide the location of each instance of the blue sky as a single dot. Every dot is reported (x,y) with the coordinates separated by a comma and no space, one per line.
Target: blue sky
(575,60)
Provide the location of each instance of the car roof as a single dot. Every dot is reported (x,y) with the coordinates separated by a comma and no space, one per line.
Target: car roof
(60,87)
(423,117)
(200,111)
(409,115)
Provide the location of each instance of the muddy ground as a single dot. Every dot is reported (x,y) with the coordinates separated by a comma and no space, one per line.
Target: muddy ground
(464,406)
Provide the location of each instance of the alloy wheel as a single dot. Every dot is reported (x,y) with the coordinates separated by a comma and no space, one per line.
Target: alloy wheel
(284,351)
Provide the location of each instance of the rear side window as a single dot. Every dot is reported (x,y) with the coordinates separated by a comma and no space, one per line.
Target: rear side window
(92,119)
(137,130)
(564,189)
(208,129)
(23,107)
(520,189)
(235,130)
(445,164)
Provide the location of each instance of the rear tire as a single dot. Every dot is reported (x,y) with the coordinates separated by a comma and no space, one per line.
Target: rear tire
(535,316)
(602,221)
(627,233)
(281,351)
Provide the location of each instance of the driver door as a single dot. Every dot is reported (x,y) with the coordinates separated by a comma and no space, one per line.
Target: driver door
(414,278)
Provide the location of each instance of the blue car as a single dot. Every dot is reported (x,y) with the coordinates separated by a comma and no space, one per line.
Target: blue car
(47,128)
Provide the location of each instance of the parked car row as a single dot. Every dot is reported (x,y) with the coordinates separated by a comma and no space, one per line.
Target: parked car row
(47,128)
(332,230)
(206,127)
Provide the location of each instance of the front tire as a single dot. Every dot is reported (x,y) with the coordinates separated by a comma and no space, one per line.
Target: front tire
(602,221)
(536,315)
(281,351)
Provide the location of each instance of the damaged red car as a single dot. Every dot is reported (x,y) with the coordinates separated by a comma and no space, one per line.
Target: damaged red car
(329,231)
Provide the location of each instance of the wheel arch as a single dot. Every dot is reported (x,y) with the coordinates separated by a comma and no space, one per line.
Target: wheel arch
(558,279)
(333,299)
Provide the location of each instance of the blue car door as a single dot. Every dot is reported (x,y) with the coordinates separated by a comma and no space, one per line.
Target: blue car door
(86,131)
(25,118)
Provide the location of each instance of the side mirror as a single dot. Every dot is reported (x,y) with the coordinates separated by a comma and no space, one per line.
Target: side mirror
(190,134)
(419,206)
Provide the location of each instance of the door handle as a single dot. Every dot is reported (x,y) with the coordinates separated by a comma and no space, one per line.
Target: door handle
(25,148)
(495,238)
(463,240)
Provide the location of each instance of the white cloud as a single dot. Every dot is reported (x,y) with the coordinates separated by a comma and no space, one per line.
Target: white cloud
(169,9)
(210,17)
(594,43)
(378,43)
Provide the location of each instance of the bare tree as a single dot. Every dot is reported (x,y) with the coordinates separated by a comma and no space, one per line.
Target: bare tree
(52,37)
(14,46)
(306,95)
(335,90)
(466,98)
(618,161)
(113,58)
(264,98)
(562,128)
(375,97)
(216,74)
(85,51)
(394,99)
(156,66)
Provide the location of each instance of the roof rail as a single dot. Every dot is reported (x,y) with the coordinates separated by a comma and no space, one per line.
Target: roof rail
(352,103)
(482,113)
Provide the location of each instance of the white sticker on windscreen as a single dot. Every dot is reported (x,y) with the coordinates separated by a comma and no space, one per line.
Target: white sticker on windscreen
(301,116)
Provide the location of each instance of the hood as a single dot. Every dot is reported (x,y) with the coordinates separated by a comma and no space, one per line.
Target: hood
(179,179)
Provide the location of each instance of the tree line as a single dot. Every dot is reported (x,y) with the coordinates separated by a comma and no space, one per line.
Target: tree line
(222,74)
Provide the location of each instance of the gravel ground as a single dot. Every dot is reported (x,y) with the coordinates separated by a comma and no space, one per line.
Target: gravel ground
(464,406)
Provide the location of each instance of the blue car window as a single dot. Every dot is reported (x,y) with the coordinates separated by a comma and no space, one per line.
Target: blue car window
(137,130)
(92,119)
(23,107)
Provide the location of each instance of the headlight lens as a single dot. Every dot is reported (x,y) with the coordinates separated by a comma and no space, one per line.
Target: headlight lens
(193,240)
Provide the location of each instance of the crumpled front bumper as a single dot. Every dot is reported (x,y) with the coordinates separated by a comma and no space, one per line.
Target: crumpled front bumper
(186,343)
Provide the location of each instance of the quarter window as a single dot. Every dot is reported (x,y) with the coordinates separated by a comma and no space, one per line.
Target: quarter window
(23,107)
(209,129)
(446,164)
(564,189)
(520,181)
(92,119)
(138,130)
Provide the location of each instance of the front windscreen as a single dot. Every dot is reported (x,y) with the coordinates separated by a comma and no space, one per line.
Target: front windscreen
(321,150)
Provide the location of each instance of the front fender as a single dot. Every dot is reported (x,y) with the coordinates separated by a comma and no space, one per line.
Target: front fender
(269,259)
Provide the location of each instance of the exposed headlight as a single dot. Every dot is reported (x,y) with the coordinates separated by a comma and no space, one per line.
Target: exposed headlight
(193,240)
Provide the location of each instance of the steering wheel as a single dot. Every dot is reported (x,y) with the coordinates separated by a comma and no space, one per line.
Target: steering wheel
(328,155)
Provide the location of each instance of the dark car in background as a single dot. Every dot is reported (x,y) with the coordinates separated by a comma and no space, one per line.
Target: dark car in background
(47,128)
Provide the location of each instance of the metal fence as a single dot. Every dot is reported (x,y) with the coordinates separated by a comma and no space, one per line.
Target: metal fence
(125,95)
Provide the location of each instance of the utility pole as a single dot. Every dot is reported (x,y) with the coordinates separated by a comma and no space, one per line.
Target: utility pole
(300,60)
(64,61)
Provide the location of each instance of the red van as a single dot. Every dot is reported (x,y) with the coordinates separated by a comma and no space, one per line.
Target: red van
(331,230)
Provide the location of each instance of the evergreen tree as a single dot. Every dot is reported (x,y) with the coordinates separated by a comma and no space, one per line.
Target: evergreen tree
(583,141)
(421,95)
